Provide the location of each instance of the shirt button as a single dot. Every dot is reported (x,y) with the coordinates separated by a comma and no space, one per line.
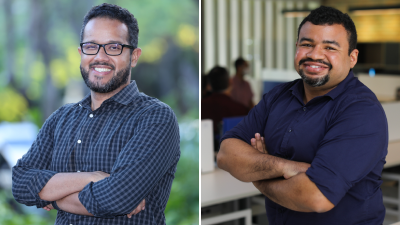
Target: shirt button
(290,130)
(91,115)
(304,108)
(79,141)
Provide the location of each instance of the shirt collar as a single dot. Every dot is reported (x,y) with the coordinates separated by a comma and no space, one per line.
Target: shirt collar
(340,88)
(125,96)
(298,88)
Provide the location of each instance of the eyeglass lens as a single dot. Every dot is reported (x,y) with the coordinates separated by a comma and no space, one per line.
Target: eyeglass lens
(111,49)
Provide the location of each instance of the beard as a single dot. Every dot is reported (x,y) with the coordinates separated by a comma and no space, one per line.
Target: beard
(118,79)
(314,82)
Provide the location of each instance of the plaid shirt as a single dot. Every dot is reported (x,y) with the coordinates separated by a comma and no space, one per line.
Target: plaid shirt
(133,137)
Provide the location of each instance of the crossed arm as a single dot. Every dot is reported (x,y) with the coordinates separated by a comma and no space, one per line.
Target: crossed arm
(65,187)
(252,163)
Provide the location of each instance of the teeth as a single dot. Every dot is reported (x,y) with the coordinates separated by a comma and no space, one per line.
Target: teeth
(315,66)
(102,69)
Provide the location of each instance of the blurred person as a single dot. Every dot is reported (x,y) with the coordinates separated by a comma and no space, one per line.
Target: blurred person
(110,158)
(241,90)
(398,94)
(205,87)
(219,104)
(316,146)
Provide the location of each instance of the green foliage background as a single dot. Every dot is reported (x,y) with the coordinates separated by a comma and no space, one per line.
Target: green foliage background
(39,61)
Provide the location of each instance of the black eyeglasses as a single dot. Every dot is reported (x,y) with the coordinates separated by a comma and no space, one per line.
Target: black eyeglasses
(110,49)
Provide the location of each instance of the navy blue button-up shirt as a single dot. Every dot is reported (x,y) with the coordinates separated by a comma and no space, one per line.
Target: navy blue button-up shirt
(131,136)
(343,134)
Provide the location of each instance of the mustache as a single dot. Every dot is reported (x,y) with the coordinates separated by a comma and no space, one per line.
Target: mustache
(101,63)
(317,61)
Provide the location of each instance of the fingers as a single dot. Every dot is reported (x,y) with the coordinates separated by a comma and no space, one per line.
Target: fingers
(263,144)
(253,143)
(138,209)
(258,142)
(47,207)
(131,214)
(143,204)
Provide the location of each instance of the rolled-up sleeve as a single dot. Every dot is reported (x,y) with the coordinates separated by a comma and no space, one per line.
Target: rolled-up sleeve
(31,173)
(149,155)
(355,143)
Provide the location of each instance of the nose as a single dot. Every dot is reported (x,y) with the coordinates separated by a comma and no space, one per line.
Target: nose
(316,53)
(101,55)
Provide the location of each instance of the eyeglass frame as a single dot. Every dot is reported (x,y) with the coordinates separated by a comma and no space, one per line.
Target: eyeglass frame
(103,45)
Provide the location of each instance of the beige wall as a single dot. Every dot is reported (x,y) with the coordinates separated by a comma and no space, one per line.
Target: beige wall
(384,86)
(372,28)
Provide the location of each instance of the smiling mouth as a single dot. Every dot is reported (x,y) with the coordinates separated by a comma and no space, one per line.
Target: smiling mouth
(102,69)
(311,64)
(315,66)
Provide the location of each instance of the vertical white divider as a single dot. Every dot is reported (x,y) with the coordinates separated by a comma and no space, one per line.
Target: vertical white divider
(245,28)
(209,35)
(234,32)
(279,36)
(289,38)
(268,34)
(222,41)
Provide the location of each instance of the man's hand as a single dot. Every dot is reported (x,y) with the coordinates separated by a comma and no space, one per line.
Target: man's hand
(98,175)
(138,209)
(259,143)
(290,169)
(48,207)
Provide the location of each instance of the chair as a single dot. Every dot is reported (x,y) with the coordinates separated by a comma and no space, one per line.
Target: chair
(230,122)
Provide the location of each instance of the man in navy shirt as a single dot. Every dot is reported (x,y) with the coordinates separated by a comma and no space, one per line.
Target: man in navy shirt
(324,138)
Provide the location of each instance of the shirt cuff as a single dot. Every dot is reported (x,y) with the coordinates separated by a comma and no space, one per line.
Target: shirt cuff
(55,206)
(42,178)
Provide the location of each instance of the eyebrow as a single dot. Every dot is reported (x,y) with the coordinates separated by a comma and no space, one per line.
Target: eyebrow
(324,41)
(306,39)
(331,42)
(109,42)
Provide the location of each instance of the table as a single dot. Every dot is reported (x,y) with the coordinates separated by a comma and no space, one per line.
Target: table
(220,186)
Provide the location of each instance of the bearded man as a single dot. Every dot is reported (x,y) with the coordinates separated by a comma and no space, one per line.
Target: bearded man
(316,146)
(110,158)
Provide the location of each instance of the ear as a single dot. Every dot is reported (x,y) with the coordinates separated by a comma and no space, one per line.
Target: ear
(353,58)
(80,50)
(135,56)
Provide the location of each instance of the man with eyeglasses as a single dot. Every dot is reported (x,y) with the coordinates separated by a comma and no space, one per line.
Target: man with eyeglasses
(110,158)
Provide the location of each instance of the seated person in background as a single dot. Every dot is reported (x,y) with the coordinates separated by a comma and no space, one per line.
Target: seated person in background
(205,87)
(219,104)
(241,90)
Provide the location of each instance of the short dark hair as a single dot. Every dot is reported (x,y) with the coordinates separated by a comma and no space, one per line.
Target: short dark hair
(115,12)
(219,78)
(239,61)
(328,15)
